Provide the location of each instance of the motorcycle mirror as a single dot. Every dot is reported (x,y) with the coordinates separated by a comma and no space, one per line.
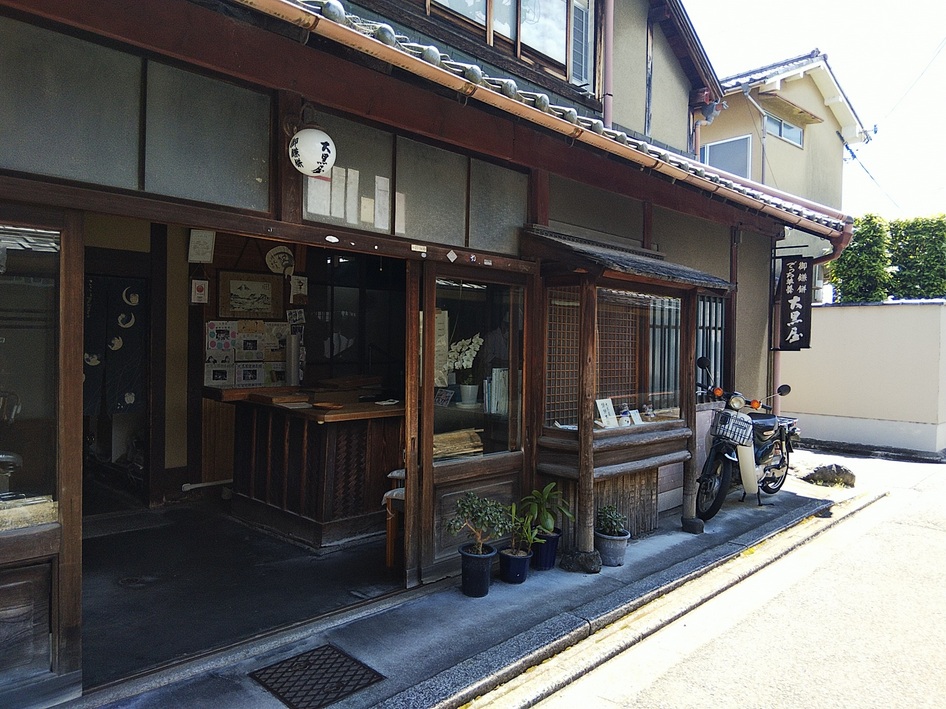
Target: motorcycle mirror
(703,363)
(784,390)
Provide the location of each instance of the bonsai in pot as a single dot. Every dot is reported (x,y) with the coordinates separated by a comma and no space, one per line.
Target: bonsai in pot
(514,560)
(611,535)
(483,519)
(545,506)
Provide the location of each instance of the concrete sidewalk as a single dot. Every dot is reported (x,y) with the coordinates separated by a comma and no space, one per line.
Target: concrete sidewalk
(434,647)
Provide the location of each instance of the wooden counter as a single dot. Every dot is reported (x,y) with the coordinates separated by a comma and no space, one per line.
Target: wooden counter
(315,474)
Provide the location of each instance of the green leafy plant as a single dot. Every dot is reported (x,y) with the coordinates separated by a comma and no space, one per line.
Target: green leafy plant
(482,518)
(610,522)
(545,506)
(523,533)
(862,273)
(918,257)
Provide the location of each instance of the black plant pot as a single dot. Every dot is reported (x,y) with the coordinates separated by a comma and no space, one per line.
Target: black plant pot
(513,568)
(477,570)
(543,555)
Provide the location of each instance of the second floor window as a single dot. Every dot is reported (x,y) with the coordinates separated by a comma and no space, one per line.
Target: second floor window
(783,129)
(559,30)
(732,155)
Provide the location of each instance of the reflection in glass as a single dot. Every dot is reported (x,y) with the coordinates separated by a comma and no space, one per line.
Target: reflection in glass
(29,331)
(504,18)
(478,368)
(473,9)
(354,321)
(544,25)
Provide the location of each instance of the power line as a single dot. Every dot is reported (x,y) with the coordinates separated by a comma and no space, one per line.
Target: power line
(939,49)
(856,159)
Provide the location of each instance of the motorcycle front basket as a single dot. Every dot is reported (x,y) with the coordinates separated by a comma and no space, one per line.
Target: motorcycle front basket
(728,426)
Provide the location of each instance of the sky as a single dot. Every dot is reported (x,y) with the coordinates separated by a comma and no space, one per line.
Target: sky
(889,59)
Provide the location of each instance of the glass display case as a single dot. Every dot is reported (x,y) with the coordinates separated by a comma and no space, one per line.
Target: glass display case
(478,355)
(29,351)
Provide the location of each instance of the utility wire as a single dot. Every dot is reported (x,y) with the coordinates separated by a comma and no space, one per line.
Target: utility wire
(939,49)
(855,158)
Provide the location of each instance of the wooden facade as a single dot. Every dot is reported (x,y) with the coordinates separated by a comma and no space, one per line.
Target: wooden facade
(319,475)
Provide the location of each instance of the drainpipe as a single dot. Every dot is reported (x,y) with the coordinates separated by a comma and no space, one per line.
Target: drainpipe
(608,78)
(762,113)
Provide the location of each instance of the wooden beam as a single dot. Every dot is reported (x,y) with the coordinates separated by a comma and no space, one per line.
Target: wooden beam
(414,499)
(157,481)
(67,605)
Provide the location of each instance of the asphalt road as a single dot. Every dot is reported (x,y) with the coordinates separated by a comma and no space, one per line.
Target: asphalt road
(854,618)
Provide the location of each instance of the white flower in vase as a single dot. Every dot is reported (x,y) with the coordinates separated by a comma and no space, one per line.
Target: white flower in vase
(460,358)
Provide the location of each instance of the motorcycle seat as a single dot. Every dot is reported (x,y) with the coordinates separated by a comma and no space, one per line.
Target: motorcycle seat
(767,422)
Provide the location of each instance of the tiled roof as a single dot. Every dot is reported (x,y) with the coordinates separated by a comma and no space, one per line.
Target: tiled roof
(471,79)
(765,73)
(627,262)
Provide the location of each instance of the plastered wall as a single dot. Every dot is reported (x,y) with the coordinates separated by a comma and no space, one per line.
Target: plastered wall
(873,376)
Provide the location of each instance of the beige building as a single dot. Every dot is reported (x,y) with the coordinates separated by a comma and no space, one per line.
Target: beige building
(786,126)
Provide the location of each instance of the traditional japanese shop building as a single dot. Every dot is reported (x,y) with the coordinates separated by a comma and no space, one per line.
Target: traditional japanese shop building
(181,306)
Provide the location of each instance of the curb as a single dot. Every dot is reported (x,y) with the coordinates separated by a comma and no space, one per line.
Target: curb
(534,665)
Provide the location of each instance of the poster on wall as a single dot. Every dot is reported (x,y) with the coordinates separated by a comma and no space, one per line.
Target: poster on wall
(795,303)
(250,374)
(218,375)
(221,337)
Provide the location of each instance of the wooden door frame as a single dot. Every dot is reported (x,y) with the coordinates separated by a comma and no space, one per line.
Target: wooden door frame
(60,543)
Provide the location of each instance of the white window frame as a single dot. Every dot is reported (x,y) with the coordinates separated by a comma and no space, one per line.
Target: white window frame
(586,77)
(705,153)
(780,133)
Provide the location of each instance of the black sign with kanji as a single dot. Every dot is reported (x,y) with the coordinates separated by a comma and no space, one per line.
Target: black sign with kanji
(795,286)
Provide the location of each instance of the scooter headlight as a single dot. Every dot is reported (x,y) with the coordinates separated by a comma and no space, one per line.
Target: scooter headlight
(736,402)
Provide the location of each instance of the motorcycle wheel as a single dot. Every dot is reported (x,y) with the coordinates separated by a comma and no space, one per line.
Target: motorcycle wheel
(714,486)
(776,478)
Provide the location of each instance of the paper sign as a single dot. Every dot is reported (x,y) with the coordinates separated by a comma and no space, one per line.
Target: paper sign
(606,412)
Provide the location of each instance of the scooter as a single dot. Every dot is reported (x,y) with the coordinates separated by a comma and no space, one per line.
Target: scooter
(757,443)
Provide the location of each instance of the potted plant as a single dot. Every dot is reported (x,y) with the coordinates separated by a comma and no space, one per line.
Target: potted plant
(460,358)
(610,535)
(545,506)
(483,519)
(514,560)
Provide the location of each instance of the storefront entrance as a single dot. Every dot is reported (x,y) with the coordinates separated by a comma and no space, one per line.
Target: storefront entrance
(265,513)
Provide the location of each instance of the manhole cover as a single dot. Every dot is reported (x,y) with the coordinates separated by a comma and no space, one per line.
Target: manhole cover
(316,678)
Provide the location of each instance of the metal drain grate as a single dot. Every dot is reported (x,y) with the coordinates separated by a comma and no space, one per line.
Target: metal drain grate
(316,678)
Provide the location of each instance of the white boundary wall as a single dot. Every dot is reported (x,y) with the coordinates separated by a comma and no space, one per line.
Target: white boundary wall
(874,376)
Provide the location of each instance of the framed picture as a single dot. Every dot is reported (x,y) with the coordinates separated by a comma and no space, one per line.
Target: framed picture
(250,295)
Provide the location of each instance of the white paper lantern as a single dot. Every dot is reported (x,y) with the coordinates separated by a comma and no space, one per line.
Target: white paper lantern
(312,151)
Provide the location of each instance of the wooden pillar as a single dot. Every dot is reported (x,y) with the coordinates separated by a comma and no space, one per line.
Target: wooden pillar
(416,495)
(288,187)
(539,197)
(587,375)
(691,473)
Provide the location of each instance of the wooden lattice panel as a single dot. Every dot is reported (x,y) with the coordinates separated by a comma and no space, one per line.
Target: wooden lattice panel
(619,319)
(351,447)
(562,357)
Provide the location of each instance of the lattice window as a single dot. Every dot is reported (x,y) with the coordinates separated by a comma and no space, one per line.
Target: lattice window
(710,338)
(664,353)
(562,357)
(619,322)
(638,353)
